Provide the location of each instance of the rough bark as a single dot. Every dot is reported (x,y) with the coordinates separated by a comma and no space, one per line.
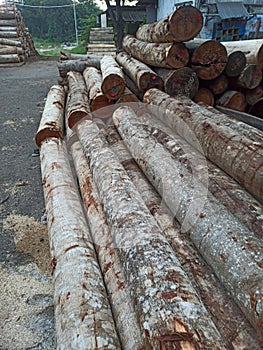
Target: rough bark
(182,25)
(93,80)
(152,271)
(77,101)
(205,96)
(179,81)
(226,147)
(76,65)
(52,120)
(166,55)
(113,83)
(253,49)
(233,99)
(236,62)
(234,328)
(234,253)
(208,59)
(82,312)
(144,77)
(123,311)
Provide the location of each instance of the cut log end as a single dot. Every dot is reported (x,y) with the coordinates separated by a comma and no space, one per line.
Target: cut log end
(236,62)
(182,81)
(98,102)
(47,133)
(113,87)
(76,117)
(205,96)
(178,56)
(233,100)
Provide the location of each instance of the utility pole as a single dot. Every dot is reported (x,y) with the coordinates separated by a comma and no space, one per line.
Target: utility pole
(75,21)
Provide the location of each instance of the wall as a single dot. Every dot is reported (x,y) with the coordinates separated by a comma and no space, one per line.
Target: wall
(165,7)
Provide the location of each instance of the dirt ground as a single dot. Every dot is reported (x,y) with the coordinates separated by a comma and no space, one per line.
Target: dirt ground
(26,298)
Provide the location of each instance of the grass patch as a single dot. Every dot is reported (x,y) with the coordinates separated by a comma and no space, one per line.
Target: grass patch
(47,48)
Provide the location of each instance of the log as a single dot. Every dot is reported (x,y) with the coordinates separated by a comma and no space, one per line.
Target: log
(257,108)
(212,229)
(127,96)
(233,99)
(166,55)
(140,73)
(218,85)
(7,22)
(83,317)
(80,57)
(224,146)
(133,87)
(77,106)
(8,29)
(93,80)
(182,25)
(208,59)
(179,81)
(9,35)
(9,50)
(205,96)
(52,120)
(236,62)
(9,42)
(228,318)
(253,49)
(76,65)
(149,262)
(118,291)
(10,58)
(249,78)
(113,83)
(253,95)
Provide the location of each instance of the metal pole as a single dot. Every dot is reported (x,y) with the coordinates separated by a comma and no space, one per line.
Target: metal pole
(75,21)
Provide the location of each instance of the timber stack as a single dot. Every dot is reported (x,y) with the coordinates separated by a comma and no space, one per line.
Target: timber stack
(159,245)
(16,43)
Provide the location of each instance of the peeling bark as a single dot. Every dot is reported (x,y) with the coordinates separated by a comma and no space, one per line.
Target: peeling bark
(82,312)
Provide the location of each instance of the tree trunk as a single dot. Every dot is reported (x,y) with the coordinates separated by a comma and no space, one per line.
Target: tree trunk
(218,85)
(11,58)
(224,146)
(65,56)
(228,318)
(179,81)
(236,62)
(9,35)
(257,109)
(233,100)
(77,102)
(249,78)
(133,86)
(77,66)
(52,120)
(144,77)
(166,55)
(93,80)
(208,59)
(83,316)
(182,25)
(118,290)
(253,49)
(211,227)
(253,95)
(205,96)
(127,96)
(149,262)
(113,83)
(7,22)
(9,42)
(9,50)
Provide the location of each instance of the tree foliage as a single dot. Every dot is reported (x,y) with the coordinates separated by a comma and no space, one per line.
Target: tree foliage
(58,23)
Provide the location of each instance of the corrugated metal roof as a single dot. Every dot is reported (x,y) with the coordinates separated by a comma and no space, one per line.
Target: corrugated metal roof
(231,9)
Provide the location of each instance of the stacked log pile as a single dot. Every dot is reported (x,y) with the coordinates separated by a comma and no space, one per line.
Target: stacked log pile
(16,44)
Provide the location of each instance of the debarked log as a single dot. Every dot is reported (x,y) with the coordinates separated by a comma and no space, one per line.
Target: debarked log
(234,253)
(161,292)
(83,317)
(181,25)
(9,50)
(144,77)
(227,148)
(10,58)
(113,83)
(166,55)
(9,42)
(77,106)
(52,120)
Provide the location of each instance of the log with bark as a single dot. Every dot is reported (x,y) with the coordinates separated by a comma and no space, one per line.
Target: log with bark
(9,50)
(77,65)
(166,55)
(220,238)
(179,81)
(208,58)
(236,62)
(133,86)
(52,120)
(127,96)
(249,78)
(144,77)
(205,96)
(93,80)
(10,58)
(232,99)
(10,42)
(183,24)
(113,83)
(65,56)
(83,317)
(226,147)
(168,308)
(77,106)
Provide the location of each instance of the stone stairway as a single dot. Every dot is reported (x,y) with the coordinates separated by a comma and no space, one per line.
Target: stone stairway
(101,41)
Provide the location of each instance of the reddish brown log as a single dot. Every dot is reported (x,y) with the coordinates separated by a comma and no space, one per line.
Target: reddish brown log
(181,25)
(233,99)
(236,62)
(253,95)
(77,101)
(113,83)
(208,59)
(93,80)
(257,108)
(166,55)
(144,77)
(179,81)
(218,85)
(205,96)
